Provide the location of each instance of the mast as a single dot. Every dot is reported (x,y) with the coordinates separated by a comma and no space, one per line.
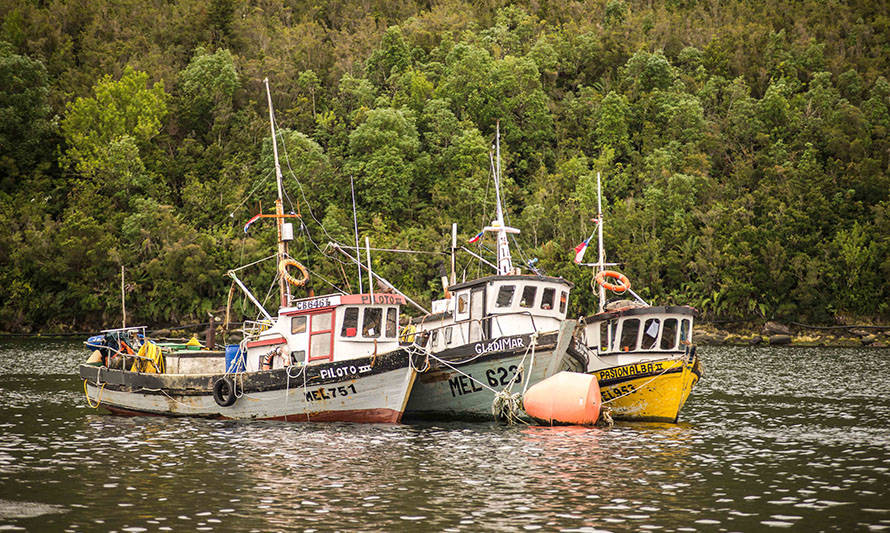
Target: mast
(599,223)
(283,288)
(504,262)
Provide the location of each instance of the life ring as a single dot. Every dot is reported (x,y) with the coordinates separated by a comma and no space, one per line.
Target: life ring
(267,359)
(282,267)
(224,391)
(622,285)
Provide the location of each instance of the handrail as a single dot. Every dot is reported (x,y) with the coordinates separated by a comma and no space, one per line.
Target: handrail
(426,335)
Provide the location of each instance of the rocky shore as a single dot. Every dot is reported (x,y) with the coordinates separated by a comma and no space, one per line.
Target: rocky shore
(777,334)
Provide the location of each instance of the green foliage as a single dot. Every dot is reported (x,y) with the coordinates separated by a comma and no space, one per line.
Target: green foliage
(127,107)
(744,161)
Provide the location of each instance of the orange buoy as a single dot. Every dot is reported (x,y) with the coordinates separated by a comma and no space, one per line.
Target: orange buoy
(565,398)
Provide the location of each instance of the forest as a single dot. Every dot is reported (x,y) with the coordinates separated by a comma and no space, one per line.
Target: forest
(744,150)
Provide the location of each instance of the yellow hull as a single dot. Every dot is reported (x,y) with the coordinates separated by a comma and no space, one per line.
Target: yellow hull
(652,391)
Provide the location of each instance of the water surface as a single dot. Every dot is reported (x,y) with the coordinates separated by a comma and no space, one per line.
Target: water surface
(770,439)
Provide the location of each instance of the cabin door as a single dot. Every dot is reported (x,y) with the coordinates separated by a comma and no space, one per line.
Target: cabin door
(477,314)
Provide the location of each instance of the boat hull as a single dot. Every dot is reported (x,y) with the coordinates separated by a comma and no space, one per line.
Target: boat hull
(370,389)
(460,383)
(652,389)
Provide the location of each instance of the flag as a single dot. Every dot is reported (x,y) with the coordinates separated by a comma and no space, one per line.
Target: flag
(251,221)
(477,237)
(580,249)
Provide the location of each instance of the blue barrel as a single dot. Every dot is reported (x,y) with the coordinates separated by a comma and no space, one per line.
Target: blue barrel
(234,361)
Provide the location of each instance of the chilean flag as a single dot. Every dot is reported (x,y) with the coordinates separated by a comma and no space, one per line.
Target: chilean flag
(581,248)
(477,237)
(251,221)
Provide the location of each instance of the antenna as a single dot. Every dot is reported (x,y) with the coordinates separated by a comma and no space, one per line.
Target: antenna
(355,227)
(599,223)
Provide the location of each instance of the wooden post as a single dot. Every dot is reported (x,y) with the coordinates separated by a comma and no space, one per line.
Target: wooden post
(211,333)
(123,300)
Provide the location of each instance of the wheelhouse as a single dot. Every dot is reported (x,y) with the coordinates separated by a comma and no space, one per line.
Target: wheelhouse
(641,330)
(329,328)
(496,306)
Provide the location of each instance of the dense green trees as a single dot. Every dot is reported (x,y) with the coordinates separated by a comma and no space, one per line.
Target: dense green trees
(744,148)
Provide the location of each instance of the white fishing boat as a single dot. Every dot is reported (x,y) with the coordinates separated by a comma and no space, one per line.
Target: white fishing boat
(643,355)
(492,337)
(329,358)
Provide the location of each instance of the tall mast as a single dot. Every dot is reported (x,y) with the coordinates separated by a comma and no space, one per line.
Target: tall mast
(283,288)
(599,223)
(505,264)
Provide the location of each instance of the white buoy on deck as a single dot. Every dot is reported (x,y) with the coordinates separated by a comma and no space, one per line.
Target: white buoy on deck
(566,398)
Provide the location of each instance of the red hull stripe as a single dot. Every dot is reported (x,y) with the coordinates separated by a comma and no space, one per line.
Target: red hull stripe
(373,416)
(267,342)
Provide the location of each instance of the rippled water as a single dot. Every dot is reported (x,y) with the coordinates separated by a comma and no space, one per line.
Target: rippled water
(771,438)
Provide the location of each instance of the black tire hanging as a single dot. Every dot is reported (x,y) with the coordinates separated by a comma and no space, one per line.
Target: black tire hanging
(224,391)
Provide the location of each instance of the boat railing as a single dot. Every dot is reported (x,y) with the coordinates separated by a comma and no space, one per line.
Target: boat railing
(494,330)
(254,327)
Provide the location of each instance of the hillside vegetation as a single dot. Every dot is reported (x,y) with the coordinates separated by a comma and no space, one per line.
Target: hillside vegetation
(743,147)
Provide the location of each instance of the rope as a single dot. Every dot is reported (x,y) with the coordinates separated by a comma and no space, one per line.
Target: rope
(507,405)
(98,398)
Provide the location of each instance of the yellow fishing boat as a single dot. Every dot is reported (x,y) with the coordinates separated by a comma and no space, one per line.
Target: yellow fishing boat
(644,359)
(642,355)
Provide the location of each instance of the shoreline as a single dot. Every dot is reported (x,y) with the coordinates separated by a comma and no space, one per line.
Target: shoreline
(704,334)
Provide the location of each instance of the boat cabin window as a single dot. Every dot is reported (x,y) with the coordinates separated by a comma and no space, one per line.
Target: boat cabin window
(547,299)
(298,357)
(448,335)
(629,332)
(434,340)
(463,303)
(528,296)
(505,296)
(650,333)
(669,334)
(604,336)
(391,322)
(371,323)
(298,325)
(685,334)
(321,335)
(350,322)
(563,301)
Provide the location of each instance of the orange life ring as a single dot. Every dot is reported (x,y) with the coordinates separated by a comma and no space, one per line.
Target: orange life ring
(276,352)
(282,267)
(622,285)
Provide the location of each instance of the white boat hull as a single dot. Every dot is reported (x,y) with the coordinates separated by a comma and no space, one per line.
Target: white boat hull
(359,390)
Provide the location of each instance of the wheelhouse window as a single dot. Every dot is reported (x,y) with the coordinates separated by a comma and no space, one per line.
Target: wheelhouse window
(463,303)
(528,296)
(350,322)
(298,325)
(604,336)
(371,323)
(391,322)
(650,333)
(685,334)
(669,334)
(547,299)
(563,301)
(629,332)
(505,296)
(448,335)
